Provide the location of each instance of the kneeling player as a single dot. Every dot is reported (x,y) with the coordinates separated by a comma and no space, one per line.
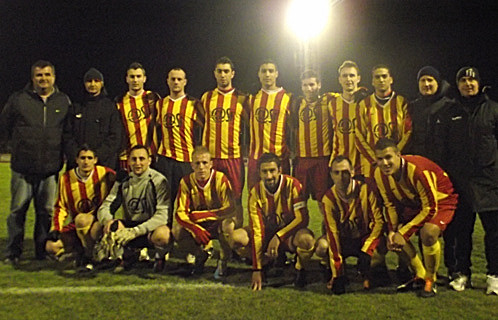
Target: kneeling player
(278,219)
(81,192)
(204,211)
(145,197)
(419,197)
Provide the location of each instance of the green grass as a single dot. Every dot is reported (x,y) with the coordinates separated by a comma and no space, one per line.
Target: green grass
(141,294)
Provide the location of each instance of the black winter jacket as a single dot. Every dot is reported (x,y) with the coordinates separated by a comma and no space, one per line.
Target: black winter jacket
(35,130)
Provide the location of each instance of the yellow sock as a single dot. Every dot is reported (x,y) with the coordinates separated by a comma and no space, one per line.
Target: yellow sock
(415,262)
(432,258)
(303,257)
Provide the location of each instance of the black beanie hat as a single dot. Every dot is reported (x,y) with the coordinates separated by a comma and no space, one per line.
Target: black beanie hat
(429,71)
(93,74)
(468,72)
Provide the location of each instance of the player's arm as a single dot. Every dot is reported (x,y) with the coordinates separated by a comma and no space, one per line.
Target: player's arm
(111,203)
(299,210)
(61,208)
(227,208)
(361,134)
(376,220)
(256,224)
(332,234)
(244,126)
(198,122)
(404,128)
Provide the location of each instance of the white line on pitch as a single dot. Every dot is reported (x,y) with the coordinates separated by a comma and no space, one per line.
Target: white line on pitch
(119,288)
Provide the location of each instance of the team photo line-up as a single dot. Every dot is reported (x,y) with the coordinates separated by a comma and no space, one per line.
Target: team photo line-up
(382,170)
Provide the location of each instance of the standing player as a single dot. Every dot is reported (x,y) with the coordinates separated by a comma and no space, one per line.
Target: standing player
(138,113)
(180,119)
(269,121)
(344,110)
(81,191)
(226,113)
(419,197)
(204,208)
(383,114)
(311,118)
(278,220)
(353,224)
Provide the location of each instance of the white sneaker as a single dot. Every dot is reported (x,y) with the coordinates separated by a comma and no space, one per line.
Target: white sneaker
(459,282)
(492,282)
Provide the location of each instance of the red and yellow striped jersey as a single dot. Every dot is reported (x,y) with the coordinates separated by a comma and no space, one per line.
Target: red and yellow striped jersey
(198,202)
(344,118)
(376,121)
(314,127)
(284,211)
(178,120)
(269,123)
(138,115)
(415,198)
(344,220)
(81,196)
(226,114)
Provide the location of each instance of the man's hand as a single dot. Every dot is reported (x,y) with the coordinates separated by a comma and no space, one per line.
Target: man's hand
(201,235)
(396,241)
(272,250)
(330,283)
(257,280)
(125,235)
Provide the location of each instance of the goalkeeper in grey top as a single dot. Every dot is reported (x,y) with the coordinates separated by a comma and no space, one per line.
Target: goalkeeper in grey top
(145,197)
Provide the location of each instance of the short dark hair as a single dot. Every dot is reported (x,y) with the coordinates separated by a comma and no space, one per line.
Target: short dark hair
(341,158)
(310,74)
(349,64)
(177,69)
(86,147)
(41,64)
(385,143)
(268,157)
(267,61)
(225,60)
(200,150)
(134,66)
(381,66)
(138,147)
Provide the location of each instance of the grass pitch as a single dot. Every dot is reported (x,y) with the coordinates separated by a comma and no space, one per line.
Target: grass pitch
(49,290)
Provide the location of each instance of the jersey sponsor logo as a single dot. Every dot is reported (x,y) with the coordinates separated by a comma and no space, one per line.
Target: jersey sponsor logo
(137,205)
(346,126)
(308,115)
(221,115)
(136,115)
(86,205)
(171,120)
(264,115)
(385,130)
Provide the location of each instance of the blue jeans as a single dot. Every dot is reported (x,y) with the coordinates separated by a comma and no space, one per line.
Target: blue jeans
(23,188)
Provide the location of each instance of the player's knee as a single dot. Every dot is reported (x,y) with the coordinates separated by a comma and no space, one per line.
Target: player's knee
(83,220)
(53,247)
(239,238)
(429,234)
(321,248)
(161,236)
(304,240)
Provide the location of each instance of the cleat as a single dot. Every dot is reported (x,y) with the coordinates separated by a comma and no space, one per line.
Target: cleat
(300,281)
(190,258)
(459,282)
(13,261)
(221,270)
(339,285)
(492,282)
(430,289)
(366,284)
(200,260)
(144,255)
(379,277)
(411,285)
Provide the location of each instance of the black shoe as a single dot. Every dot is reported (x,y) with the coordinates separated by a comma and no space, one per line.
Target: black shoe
(300,281)
(221,271)
(411,285)
(13,261)
(86,265)
(429,290)
(379,277)
(339,285)
(200,261)
(159,265)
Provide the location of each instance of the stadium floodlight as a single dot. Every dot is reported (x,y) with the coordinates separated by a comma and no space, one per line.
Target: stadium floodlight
(307,18)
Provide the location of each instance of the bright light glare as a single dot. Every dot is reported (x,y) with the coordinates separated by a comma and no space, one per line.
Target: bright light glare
(307,18)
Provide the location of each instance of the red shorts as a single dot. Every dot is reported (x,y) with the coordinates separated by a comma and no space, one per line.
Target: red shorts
(234,170)
(253,174)
(441,219)
(314,175)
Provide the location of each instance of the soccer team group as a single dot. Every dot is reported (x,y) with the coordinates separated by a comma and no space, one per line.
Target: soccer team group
(381,168)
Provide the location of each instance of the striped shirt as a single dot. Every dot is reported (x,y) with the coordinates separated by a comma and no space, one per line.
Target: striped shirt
(376,121)
(268,123)
(284,211)
(360,218)
(423,187)
(178,120)
(138,115)
(314,127)
(197,202)
(81,196)
(226,114)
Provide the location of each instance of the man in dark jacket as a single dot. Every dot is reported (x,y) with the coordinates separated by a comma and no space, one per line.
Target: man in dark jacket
(425,111)
(469,131)
(34,120)
(96,122)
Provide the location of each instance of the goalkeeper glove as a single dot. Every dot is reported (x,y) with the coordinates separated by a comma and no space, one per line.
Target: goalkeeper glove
(125,235)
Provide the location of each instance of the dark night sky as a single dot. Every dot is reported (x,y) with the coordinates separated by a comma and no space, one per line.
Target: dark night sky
(109,35)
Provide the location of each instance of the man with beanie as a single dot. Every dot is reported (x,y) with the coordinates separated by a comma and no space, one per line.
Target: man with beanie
(95,122)
(470,135)
(424,113)
(34,120)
